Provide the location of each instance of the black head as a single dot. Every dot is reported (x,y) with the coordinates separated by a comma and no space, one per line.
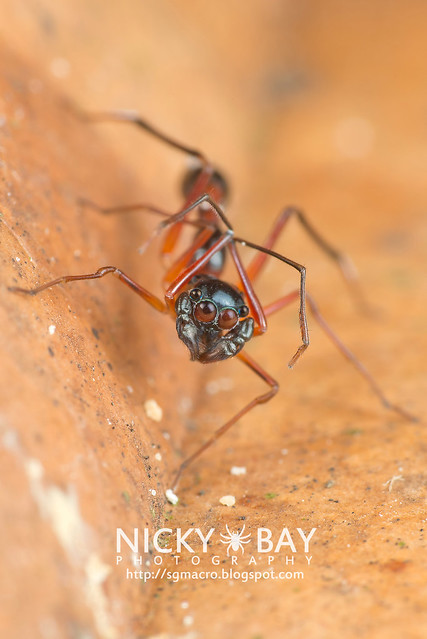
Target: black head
(211,320)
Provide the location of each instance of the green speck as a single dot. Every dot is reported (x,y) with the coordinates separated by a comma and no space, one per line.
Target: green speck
(163,542)
(271,495)
(126,496)
(353,431)
(402,544)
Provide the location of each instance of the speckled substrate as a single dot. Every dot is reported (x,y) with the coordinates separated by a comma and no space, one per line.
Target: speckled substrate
(321,105)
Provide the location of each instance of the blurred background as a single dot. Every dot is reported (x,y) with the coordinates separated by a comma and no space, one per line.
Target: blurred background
(318,104)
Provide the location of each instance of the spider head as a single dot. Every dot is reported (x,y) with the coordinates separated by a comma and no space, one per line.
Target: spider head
(212,319)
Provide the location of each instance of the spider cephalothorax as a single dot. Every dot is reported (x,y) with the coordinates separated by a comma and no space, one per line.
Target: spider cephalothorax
(212,320)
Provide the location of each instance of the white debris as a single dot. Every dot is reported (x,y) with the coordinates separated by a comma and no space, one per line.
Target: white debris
(188,620)
(238,470)
(158,456)
(153,410)
(52,329)
(227,500)
(153,492)
(391,481)
(171,497)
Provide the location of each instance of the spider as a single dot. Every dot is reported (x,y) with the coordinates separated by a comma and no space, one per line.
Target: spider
(235,540)
(215,319)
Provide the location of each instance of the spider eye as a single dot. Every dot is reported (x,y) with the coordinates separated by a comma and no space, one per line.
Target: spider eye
(227,318)
(243,311)
(195,294)
(205,311)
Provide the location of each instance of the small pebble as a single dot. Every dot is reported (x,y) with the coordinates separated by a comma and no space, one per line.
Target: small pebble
(52,329)
(153,410)
(171,497)
(238,470)
(188,620)
(227,500)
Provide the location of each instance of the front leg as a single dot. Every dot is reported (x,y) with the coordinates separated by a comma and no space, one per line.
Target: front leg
(101,272)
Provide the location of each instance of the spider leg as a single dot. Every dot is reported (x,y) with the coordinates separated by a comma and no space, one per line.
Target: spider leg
(302,295)
(144,207)
(253,301)
(201,184)
(344,350)
(177,217)
(154,301)
(260,399)
(344,263)
(180,215)
(125,208)
(133,118)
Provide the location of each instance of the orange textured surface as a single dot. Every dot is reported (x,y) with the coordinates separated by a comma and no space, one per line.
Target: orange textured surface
(316,104)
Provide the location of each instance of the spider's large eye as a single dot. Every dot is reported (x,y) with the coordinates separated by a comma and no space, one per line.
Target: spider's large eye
(243,311)
(227,319)
(205,311)
(195,294)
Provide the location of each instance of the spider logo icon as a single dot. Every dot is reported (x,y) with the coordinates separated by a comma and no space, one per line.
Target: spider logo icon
(235,540)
